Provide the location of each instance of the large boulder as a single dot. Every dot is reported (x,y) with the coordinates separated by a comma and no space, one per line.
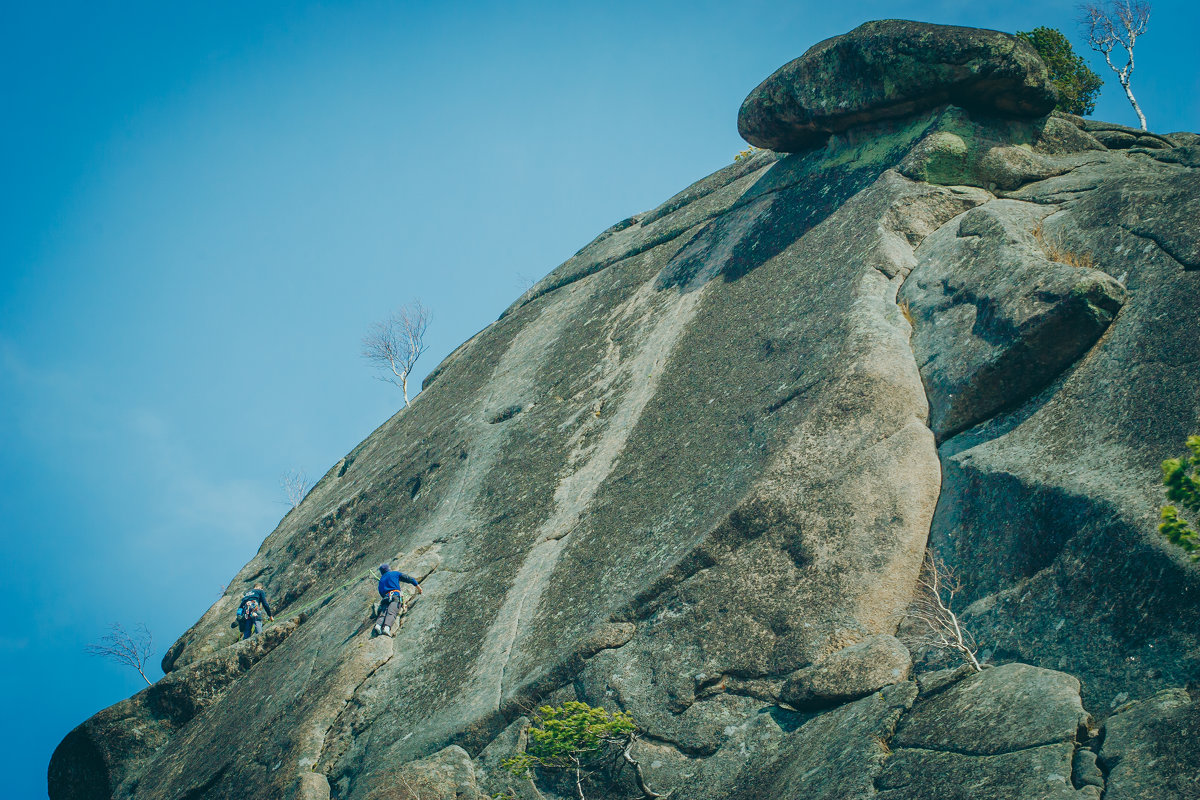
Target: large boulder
(893,68)
(1001,307)
(1150,748)
(1009,732)
(850,673)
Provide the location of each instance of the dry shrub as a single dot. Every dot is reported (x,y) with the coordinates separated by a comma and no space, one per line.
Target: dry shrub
(1055,251)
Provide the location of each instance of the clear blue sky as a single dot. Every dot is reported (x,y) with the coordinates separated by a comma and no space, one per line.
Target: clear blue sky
(205,204)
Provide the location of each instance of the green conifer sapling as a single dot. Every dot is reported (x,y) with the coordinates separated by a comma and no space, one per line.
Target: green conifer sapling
(1183,487)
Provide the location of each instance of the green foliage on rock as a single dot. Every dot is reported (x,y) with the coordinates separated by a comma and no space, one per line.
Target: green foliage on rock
(1183,487)
(1077,85)
(745,154)
(565,736)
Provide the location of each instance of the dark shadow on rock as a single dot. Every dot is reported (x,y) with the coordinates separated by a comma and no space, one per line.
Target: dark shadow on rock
(796,195)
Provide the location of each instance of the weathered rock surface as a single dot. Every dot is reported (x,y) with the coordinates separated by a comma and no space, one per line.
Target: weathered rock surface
(1048,510)
(998,313)
(448,774)
(699,459)
(893,68)
(838,755)
(97,759)
(993,153)
(1000,710)
(848,674)
(1008,732)
(1150,748)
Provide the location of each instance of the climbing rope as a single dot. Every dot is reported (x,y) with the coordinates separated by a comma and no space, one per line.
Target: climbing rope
(324,598)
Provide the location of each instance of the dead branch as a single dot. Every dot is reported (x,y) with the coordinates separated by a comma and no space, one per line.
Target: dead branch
(394,345)
(296,486)
(647,792)
(131,649)
(933,610)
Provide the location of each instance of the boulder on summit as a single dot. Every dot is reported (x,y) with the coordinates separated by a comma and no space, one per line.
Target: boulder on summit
(888,69)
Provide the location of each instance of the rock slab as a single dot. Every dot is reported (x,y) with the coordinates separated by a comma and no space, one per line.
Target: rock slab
(1150,748)
(1007,732)
(848,674)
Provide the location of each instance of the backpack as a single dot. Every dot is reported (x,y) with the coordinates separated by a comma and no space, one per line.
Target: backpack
(248,610)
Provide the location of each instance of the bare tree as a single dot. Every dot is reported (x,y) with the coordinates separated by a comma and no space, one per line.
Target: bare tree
(1117,23)
(933,612)
(296,486)
(132,649)
(394,345)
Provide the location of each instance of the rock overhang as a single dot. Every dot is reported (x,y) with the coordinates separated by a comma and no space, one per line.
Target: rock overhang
(888,69)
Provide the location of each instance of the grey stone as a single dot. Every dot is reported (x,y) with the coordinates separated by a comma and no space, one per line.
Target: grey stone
(1084,769)
(1183,139)
(960,149)
(1150,748)
(998,314)
(848,674)
(1121,137)
(1039,773)
(999,710)
(1007,732)
(448,774)
(1048,510)
(888,69)
(97,758)
(932,682)
(837,755)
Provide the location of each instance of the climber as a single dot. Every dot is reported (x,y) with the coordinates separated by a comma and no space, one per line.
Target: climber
(391,601)
(251,609)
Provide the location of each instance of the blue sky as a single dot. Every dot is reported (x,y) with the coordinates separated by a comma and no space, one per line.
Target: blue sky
(206,204)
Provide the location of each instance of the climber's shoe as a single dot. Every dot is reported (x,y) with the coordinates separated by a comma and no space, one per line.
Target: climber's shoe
(387,630)
(377,630)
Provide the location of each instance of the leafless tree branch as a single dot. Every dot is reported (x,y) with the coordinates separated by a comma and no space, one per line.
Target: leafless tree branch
(296,486)
(933,612)
(131,649)
(1112,25)
(394,345)
(647,792)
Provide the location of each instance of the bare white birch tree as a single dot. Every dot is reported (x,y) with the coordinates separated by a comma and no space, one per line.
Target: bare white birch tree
(933,612)
(131,649)
(295,485)
(394,345)
(1117,23)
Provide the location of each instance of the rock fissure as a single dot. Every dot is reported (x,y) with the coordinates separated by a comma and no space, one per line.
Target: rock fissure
(1166,247)
(966,751)
(325,759)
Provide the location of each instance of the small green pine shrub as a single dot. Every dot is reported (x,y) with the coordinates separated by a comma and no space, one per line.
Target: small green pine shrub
(1077,85)
(579,740)
(1183,487)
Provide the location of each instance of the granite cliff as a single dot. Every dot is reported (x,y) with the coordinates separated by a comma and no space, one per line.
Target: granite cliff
(692,474)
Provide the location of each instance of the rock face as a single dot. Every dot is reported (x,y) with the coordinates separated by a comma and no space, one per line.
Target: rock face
(1148,748)
(848,674)
(888,69)
(1000,310)
(692,474)
(1009,732)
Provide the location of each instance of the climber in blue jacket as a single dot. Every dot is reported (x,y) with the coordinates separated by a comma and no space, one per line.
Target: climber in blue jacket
(391,600)
(251,608)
